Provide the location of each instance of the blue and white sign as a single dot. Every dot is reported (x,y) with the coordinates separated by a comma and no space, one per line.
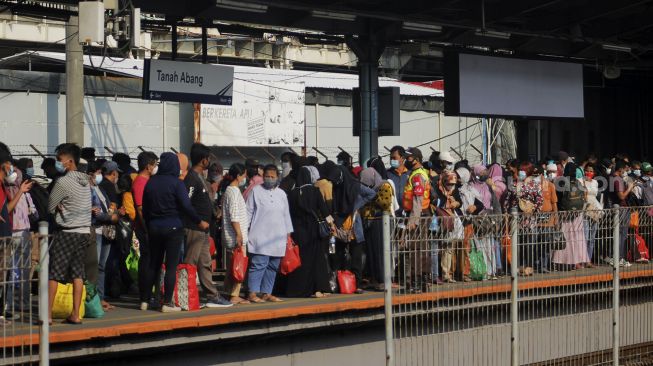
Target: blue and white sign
(188,82)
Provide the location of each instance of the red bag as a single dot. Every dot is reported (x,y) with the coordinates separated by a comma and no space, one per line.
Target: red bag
(185,295)
(347,282)
(638,251)
(291,261)
(239,264)
(214,254)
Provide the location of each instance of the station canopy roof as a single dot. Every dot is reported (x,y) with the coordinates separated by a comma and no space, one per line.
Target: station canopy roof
(605,32)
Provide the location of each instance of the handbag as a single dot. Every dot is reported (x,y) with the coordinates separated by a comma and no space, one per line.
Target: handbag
(634,220)
(291,260)
(63,302)
(131,263)
(345,233)
(92,302)
(324,229)
(185,294)
(446,219)
(525,205)
(239,263)
(478,268)
(347,282)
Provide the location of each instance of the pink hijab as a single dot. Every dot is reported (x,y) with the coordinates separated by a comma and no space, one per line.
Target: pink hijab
(482,187)
(496,174)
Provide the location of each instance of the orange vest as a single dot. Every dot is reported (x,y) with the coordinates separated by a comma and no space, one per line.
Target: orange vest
(408,190)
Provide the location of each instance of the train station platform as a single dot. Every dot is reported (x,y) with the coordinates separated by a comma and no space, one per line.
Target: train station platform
(127,329)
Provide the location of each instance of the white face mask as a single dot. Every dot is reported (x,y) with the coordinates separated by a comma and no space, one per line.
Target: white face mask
(155,170)
(608,170)
(285,168)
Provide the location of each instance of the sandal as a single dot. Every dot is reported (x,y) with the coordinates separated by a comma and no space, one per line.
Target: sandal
(255,299)
(319,295)
(239,301)
(69,321)
(271,298)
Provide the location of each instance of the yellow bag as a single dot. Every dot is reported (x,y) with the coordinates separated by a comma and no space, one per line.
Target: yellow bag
(63,302)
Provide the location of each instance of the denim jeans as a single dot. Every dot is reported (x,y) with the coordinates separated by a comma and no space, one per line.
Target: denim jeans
(435,259)
(18,288)
(590,227)
(103,250)
(262,273)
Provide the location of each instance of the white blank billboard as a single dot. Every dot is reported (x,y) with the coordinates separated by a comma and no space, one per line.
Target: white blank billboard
(501,86)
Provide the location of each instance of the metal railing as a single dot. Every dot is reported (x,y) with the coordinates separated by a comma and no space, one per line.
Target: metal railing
(544,288)
(23,277)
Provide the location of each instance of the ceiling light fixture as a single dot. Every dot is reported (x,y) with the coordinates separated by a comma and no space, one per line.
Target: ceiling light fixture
(492,34)
(614,47)
(242,6)
(422,27)
(333,15)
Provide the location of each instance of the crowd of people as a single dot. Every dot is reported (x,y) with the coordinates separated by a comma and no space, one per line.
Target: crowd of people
(176,206)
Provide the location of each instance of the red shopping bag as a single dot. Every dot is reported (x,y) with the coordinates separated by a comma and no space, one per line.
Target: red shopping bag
(291,260)
(214,254)
(239,264)
(347,282)
(186,294)
(638,250)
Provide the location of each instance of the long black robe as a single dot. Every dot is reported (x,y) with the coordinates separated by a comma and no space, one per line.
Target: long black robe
(306,203)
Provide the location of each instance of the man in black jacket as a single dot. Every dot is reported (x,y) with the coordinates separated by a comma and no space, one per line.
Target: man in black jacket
(197,241)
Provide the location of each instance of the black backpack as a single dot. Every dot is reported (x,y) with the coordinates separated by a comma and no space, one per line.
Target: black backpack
(40,197)
(572,199)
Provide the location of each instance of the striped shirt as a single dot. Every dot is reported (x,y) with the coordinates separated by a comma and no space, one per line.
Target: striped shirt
(234,210)
(70,202)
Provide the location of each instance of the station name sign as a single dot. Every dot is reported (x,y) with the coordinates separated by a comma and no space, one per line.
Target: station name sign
(188,82)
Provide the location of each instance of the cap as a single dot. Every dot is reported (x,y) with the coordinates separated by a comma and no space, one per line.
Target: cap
(646,167)
(251,163)
(110,166)
(417,153)
(446,156)
(563,155)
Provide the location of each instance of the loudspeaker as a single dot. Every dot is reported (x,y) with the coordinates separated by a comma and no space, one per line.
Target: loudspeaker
(388,107)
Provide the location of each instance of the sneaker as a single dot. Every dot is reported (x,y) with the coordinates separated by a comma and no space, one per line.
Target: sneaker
(642,260)
(609,261)
(143,306)
(624,263)
(11,316)
(218,302)
(170,308)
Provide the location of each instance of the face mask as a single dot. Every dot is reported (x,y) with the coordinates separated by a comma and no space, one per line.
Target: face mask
(521,175)
(155,170)
(450,167)
(241,183)
(409,164)
(552,176)
(589,175)
(11,175)
(29,171)
(340,162)
(637,172)
(269,183)
(98,179)
(285,168)
(624,174)
(59,166)
(538,179)
(608,170)
(394,164)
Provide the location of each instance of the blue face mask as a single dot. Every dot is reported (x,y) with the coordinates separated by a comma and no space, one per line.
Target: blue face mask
(98,179)
(29,171)
(522,175)
(637,172)
(394,164)
(59,166)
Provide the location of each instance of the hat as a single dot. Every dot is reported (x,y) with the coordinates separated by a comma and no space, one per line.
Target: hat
(110,166)
(415,152)
(563,155)
(251,163)
(646,167)
(446,156)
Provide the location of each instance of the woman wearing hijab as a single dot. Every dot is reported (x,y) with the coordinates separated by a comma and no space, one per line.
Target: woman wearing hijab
(572,200)
(372,213)
(471,206)
(165,200)
(307,207)
(329,175)
(487,239)
(449,201)
(350,196)
(526,197)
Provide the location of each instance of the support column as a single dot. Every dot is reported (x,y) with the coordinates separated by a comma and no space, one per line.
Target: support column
(74,84)
(174,41)
(368,49)
(205,45)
